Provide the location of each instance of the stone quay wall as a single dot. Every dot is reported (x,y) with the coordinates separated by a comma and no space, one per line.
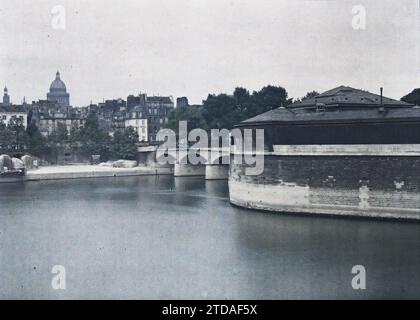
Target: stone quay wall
(368,186)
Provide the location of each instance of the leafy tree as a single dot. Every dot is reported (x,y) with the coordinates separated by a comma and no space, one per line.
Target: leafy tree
(60,135)
(413,97)
(310,95)
(191,114)
(268,98)
(57,140)
(17,134)
(124,144)
(220,111)
(74,136)
(224,111)
(6,138)
(93,139)
(242,99)
(37,144)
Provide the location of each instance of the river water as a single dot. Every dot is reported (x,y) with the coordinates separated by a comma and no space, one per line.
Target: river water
(179,238)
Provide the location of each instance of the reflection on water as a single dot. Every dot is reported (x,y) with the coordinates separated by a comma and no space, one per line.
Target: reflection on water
(165,237)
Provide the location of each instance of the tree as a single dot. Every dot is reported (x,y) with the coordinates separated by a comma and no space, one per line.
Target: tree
(93,139)
(191,114)
(17,135)
(268,98)
(310,95)
(242,100)
(74,136)
(124,144)
(37,144)
(57,140)
(60,135)
(413,97)
(220,111)
(6,138)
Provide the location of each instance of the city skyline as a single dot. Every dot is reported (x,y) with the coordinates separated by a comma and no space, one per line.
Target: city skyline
(105,54)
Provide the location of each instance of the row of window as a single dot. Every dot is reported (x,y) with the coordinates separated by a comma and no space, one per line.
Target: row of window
(51,121)
(4,117)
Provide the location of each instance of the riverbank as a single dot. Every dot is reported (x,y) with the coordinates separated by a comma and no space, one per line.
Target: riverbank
(89,171)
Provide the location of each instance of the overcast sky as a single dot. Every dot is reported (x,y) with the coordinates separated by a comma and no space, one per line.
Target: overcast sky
(110,48)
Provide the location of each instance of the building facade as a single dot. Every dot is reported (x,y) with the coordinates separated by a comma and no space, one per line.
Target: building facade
(147,115)
(13,113)
(50,122)
(140,126)
(157,110)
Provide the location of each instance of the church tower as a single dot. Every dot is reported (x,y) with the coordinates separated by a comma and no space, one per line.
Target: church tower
(58,92)
(6,97)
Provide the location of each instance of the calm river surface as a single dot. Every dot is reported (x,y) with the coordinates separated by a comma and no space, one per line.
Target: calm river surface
(168,238)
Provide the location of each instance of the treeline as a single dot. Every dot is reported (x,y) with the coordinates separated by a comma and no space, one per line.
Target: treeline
(88,140)
(226,110)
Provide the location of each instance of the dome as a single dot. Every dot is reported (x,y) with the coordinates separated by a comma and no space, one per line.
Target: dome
(57,84)
(58,92)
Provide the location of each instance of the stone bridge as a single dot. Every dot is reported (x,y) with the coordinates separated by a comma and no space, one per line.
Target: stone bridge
(213,163)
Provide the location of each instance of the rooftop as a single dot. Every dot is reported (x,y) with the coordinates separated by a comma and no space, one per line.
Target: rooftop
(343,104)
(13,109)
(343,96)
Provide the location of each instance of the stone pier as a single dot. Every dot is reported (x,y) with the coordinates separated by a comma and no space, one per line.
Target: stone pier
(189,170)
(217,172)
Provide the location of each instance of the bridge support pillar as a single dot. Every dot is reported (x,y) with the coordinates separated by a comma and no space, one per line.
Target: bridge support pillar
(217,172)
(189,170)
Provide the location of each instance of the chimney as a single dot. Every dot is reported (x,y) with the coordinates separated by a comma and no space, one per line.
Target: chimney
(382,91)
(381,107)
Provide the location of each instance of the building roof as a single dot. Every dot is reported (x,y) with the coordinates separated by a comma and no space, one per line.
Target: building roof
(57,84)
(347,96)
(159,99)
(13,109)
(341,104)
(287,116)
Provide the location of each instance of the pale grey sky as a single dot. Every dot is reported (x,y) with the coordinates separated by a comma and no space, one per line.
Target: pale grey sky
(110,48)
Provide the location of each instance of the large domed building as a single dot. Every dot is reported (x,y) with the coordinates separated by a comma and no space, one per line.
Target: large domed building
(58,92)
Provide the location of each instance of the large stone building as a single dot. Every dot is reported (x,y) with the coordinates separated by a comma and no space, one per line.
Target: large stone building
(50,121)
(343,152)
(58,92)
